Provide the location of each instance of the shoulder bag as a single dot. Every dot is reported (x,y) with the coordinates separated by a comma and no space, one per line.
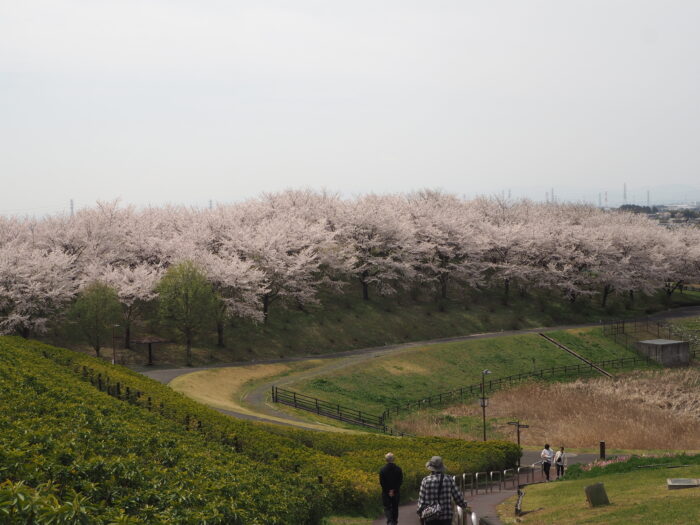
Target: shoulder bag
(431,512)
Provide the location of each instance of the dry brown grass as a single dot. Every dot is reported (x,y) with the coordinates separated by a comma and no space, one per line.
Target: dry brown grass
(642,410)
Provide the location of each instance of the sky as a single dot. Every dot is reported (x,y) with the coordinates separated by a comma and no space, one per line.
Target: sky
(187,102)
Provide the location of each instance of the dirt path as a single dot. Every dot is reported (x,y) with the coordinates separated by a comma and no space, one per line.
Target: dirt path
(257,397)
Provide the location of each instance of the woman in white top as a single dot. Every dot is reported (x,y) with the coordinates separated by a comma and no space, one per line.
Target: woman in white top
(560,462)
(547,456)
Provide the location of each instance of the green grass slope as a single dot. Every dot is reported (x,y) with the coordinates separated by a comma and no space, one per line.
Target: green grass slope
(431,369)
(592,344)
(637,495)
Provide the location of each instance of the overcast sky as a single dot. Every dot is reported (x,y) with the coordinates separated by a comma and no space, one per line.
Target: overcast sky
(180,101)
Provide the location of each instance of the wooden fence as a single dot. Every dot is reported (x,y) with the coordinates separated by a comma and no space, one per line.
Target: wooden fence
(332,410)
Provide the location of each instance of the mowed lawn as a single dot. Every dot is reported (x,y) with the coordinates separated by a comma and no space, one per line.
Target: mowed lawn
(428,370)
(640,497)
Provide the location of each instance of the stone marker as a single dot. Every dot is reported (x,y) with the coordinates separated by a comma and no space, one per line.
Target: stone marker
(596,495)
(682,483)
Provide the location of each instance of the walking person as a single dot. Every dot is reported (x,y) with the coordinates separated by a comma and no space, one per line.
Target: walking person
(435,495)
(560,462)
(547,456)
(390,478)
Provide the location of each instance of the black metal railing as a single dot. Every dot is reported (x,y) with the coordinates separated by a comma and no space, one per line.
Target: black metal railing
(628,331)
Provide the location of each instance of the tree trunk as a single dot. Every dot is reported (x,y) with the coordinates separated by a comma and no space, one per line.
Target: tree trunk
(127,335)
(97,345)
(365,290)
(266,307)
(24,332)
(506,290)
(220,333)
(188,343)
(443,286)
(606,292)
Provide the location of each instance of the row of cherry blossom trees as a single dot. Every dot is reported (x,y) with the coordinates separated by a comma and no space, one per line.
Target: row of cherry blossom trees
(287,247)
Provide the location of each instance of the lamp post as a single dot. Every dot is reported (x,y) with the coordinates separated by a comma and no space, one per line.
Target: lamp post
(484,401)
(114,344)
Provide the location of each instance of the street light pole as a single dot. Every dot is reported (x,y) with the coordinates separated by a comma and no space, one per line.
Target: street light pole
(484,400)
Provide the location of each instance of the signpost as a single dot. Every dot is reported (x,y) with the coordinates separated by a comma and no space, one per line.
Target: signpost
(518,425)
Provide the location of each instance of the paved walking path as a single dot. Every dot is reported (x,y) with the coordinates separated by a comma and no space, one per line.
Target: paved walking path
(258,396)
(485,504)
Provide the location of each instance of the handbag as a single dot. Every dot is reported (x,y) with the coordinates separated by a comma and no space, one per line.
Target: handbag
(431,512)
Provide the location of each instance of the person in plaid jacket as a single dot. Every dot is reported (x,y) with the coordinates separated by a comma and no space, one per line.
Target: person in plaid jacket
(430,488)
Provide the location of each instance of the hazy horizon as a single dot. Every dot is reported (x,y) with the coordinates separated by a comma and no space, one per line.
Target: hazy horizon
(183,102)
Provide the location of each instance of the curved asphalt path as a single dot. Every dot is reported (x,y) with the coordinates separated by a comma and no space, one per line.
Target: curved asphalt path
(258,396)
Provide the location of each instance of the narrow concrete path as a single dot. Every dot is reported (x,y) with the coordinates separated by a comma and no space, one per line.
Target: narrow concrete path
(258,396)
(485,504)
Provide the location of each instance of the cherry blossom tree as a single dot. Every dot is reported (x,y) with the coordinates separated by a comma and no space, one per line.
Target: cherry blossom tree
(238,285)
(287,247)
(448,239)
(135,287)
(379,234)
(35,286)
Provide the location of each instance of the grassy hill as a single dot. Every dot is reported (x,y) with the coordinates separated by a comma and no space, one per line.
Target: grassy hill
(427,370)
(637,495)
(88,442)
(345,321)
